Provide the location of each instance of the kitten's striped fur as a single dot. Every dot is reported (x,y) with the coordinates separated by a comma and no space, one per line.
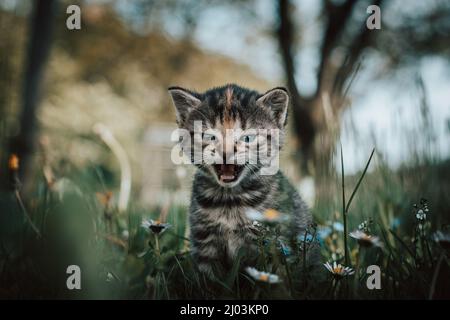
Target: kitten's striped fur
(218,221)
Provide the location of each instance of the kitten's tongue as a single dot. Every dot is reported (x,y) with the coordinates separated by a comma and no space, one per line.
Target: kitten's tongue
(227,172)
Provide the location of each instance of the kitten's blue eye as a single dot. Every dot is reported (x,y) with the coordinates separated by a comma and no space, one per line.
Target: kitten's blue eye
(248,138)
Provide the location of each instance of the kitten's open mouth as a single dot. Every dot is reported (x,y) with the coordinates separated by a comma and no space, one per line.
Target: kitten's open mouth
(228,172)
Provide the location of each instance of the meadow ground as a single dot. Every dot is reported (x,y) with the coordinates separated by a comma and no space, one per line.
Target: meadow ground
(395,220)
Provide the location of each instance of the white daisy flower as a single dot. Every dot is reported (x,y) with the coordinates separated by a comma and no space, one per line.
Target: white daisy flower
(269,215)
(421,215)
(421,211)
(365,239)
(155,226)
(338,270)
(263,276)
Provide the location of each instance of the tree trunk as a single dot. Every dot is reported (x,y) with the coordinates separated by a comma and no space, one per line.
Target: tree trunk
(40,29)
(302,117)
(316,124)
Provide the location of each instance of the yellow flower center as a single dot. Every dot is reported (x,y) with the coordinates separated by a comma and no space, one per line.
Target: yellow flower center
(271,214)
(264,277)
(338,269)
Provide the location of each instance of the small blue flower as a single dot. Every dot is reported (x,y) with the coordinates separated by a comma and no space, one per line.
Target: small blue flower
(338,226)
(323,232)
(285,249)
(396,223)
(302,237)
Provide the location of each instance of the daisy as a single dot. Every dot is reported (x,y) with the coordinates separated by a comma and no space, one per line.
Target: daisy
(270,215)
(155,226)
(421,215)
(263,276)
(421,211)
(366,240)
(443,239)
(339,270)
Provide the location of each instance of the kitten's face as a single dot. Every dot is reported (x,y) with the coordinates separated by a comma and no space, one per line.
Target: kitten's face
(231,132)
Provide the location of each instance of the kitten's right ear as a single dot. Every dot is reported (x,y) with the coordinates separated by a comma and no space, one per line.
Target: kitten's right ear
(184,102)
(277,101)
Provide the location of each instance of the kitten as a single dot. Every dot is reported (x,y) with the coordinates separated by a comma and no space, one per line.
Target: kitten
(227,185)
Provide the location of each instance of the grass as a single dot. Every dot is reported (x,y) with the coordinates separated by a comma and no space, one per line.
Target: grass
(74,221)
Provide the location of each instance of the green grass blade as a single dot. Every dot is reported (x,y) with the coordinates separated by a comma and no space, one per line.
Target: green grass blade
(359,181)
(344,212)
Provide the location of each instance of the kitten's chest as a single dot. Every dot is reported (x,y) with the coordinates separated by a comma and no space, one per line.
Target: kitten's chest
(233,229)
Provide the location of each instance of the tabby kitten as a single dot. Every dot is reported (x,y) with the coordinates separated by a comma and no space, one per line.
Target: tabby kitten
(228,185)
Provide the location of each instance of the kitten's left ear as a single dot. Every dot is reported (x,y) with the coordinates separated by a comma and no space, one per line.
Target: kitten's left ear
(184,101)
(277,101)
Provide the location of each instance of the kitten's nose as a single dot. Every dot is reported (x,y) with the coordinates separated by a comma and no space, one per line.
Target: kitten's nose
(228,158)
(229,151)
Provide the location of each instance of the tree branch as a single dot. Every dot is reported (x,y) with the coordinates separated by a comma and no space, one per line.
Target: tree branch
(337,18)
(359,43)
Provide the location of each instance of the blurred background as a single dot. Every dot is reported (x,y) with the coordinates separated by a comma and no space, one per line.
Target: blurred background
(89,108)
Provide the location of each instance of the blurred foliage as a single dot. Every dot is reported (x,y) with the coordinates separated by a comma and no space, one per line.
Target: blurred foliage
(78,223)
(111,74)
